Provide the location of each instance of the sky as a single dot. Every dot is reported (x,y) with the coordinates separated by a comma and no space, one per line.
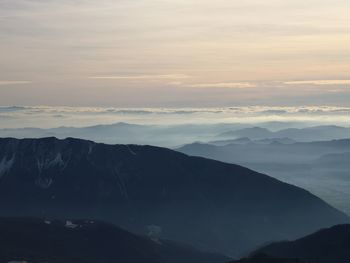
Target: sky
(174,53)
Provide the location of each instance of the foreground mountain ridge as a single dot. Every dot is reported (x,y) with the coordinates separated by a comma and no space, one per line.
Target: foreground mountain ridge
(71,241)
(209,204)
(324,246)
(263,258)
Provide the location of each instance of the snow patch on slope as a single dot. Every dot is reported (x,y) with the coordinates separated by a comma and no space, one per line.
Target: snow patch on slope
(70,224)
(43,163)
(5,165)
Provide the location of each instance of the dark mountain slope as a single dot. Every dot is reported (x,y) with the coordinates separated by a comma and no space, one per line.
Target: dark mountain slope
(34,240)
(262,258)
(212,205)
(328,245)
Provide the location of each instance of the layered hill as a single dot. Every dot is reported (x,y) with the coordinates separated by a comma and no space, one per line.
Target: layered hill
(320,167)
(316,133)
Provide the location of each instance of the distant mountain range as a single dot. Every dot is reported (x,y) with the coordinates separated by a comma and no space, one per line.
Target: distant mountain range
(179,134)
(321,167)
(246,140)
(35,240)
(317,133)
(245,151)
(211,205)
(324,246)
(124,133)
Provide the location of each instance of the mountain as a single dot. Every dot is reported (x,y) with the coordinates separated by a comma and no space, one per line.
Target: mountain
(252,133)
(266,152)
(124,133)
(242,140)
(276,140)
(316,133)
(324,246)
(179,134)
(211,205)
(320,167)
(246,140)
(35,240)
(263,258)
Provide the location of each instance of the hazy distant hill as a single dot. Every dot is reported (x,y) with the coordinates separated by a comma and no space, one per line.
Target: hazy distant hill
(179,134)
(321,167)
(328,245)
(335,161)
(267,152)
(317,133)
(209,204)
(35,240)
(124,133)
(246,140)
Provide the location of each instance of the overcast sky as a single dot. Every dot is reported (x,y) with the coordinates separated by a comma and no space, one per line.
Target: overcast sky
(149,53)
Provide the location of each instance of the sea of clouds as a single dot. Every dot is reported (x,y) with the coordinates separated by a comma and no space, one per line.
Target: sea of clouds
(51,117)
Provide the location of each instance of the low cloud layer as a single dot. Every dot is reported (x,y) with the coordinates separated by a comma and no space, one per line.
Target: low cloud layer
(49,117)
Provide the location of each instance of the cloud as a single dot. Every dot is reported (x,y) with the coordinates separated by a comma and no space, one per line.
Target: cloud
(49,117)
(142,77)
(13,82)
(230,85)
(319,82)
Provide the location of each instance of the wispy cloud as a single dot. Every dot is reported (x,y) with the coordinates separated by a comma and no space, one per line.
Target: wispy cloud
(142,77)
(230,85)
(319,82)
(13,82)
